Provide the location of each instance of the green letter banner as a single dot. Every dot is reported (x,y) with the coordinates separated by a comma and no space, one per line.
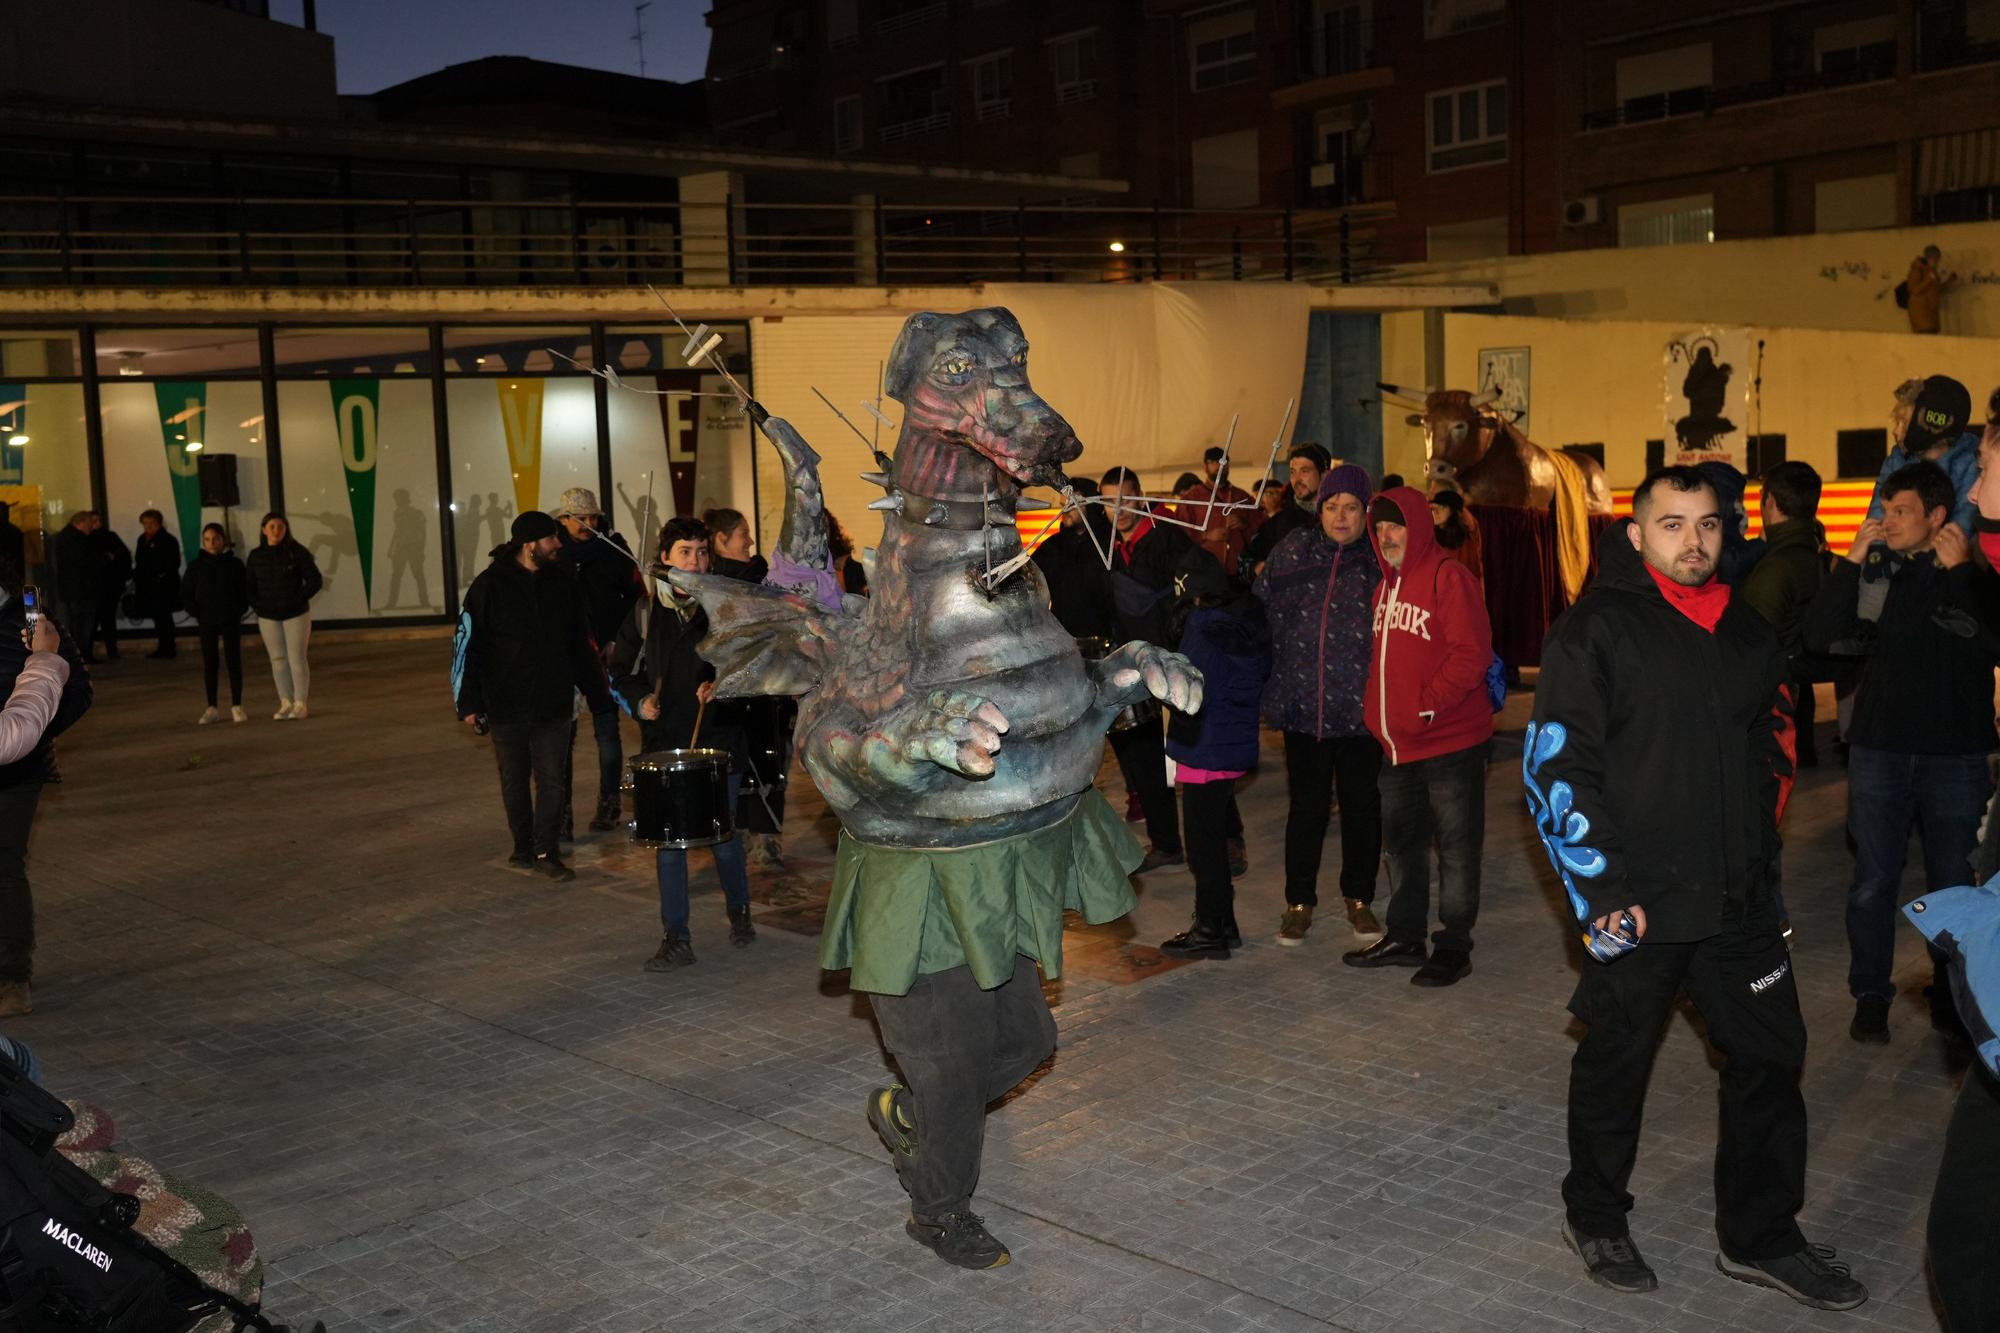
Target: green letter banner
(183,417)
(356,422)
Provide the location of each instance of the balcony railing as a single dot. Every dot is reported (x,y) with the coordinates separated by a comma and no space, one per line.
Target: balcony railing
(127,241)
(1336,44)
(1080,90)
(922,127)
(1701,101)
(910,18)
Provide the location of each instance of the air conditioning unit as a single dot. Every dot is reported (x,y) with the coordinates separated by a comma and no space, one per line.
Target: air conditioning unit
(1580,212)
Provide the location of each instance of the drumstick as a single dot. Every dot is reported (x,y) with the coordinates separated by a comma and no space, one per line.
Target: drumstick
(701,707)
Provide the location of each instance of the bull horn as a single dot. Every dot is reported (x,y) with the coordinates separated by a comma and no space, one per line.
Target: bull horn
(1482,399)
(1402,392)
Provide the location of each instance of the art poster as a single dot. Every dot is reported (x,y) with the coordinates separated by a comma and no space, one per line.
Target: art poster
(1707,391)
(183,406)
(356,424)
(521,420)
(1504,371)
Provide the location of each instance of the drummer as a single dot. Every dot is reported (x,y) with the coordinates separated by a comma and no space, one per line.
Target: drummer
(660,679)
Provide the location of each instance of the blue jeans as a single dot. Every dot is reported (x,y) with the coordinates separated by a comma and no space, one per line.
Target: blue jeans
(673,868)
(1944,795)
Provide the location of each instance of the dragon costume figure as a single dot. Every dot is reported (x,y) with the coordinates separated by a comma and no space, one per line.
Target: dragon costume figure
(955,730)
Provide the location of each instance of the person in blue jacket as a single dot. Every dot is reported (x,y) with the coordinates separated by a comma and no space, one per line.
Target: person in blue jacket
(1934,424)
(1226,637)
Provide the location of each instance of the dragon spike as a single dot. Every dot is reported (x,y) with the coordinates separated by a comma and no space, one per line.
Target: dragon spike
(937,516)
(892,502)
(1030,502)
(881,479)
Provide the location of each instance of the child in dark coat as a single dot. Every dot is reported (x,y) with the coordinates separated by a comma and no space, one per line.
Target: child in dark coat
(1227,639)
(216,591)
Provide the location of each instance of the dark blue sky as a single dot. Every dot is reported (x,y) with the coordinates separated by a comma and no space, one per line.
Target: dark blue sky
(380,42)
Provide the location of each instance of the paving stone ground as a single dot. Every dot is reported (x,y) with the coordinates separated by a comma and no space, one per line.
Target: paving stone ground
(289,960)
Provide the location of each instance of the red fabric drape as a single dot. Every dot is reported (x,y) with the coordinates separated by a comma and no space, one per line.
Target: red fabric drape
(1524,592)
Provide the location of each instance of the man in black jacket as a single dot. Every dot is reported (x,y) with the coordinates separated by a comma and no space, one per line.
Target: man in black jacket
(609,578)
(1072,566)
(1923,718)
(1662,847)
(79,580)
(20,792)
(1309,463)
(522,653)
(114,572)
(156,578)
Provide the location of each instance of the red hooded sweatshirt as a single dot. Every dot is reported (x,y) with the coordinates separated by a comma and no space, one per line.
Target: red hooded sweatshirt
(1432,645)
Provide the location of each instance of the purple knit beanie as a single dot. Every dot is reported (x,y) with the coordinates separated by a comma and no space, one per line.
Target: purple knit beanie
(1347,479)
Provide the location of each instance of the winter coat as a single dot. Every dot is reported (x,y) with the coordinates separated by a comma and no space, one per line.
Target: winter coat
(1659,758)
(76,694)
(656,653)
(79,567)
(609,579)
(156,574)
(1142,579)
(1275,528)
(1782,584)
(1431,647)
(216,589)
(114,563)
(523,648)
(283,580)
(1926,686)
(1926,288)
(1319,598)
(752,570)
(1231,647)
(1079,586)
(14,543)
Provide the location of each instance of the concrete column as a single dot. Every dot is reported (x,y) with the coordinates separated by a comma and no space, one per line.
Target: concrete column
(1435,373)
(707,227)
(867,252)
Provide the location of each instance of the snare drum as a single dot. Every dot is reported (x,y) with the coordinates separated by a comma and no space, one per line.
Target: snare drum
(680,798)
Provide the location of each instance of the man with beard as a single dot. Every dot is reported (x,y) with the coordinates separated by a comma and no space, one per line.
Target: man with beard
(523,650)
(1309,463)
(1663,845)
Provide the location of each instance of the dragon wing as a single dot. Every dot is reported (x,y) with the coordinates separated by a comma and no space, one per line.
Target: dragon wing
(762,640)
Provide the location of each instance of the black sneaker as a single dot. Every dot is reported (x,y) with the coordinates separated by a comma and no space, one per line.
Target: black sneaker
(1871,1020)
(959,1238)
(889,1113)
(1157,859)
(1386,952)
(1445,968)
(522,860)
(1809,1277)
(1613,1261)
(554,867)
(606,817)
(675,951)
(1197,941)
(741,932)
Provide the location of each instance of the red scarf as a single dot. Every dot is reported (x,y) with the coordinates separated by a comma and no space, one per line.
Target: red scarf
(1124,545)
(1703,604)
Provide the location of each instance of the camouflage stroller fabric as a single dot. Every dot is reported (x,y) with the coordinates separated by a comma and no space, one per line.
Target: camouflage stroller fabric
(194,1226)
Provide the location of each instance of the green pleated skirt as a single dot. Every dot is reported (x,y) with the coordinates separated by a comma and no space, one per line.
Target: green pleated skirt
(896,913)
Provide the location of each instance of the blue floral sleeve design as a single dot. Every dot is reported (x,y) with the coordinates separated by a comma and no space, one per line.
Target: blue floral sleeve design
(1562,828)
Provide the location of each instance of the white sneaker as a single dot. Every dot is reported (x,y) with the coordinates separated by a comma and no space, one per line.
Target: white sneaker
(284,713)
(299,710)
(236,713)
(207,717)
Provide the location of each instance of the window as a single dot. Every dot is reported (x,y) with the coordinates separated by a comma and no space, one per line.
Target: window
(993,86)
(1687,220)
(1855,203)
(1665,83)
(1448,18)
(1073,59)
(1468,126)
(846,124)
(1225,170)
(1863,49)
(1222,49)
(915,104)
(1481,238)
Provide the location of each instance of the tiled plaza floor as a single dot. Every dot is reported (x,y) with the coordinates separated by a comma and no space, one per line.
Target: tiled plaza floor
(290,962)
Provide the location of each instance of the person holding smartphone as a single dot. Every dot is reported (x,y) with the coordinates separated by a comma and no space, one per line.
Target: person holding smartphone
(1664,845)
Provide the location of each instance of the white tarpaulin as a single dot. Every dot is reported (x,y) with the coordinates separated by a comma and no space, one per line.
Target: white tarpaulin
(1148,376)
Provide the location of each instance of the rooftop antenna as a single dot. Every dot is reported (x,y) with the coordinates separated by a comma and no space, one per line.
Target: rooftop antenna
(639,32)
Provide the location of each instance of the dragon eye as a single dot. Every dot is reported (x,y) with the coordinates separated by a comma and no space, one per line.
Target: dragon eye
(1020,358)
(955,369)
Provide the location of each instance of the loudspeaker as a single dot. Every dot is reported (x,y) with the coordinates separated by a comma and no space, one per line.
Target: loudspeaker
(218,481)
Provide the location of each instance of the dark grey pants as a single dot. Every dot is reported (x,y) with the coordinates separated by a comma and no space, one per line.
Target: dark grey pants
(1437,803)
(537,751)
(17,903)
(960,1048)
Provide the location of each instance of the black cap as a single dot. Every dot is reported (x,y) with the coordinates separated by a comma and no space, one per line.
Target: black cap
(534,525)
(1385,510)
(1940,413)
(1213,454)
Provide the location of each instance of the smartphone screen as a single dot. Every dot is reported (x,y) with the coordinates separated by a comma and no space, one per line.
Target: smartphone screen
(31,603)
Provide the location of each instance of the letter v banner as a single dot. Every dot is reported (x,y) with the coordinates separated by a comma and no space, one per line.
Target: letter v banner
(521,419)
(356,422)
(183,408)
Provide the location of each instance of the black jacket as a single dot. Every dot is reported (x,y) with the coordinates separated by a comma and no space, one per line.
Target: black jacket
(1142,582)
(1079,585)
(283,580)
(752,570)
(13,542)
(610,581)
(523,647)
(1674,745)
(671,667)
(79,566)
(1275,529)
(1781,585)
(35,765)
(156,574)
(216,589)
(114,563)
(1926,686)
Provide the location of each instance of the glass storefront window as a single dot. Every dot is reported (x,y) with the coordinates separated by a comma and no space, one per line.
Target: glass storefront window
(32,353)
(44,463)
(346,352)
(517,443)
(176,353)
(522,351)
(692,440)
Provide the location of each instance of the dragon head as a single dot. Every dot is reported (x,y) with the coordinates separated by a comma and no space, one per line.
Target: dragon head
(964,378)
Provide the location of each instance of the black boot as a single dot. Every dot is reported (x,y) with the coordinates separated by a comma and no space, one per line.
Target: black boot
(606,818)
(741,932)
(1200,940)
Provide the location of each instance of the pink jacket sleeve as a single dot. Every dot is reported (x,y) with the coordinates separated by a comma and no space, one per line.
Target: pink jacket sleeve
(37,691)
